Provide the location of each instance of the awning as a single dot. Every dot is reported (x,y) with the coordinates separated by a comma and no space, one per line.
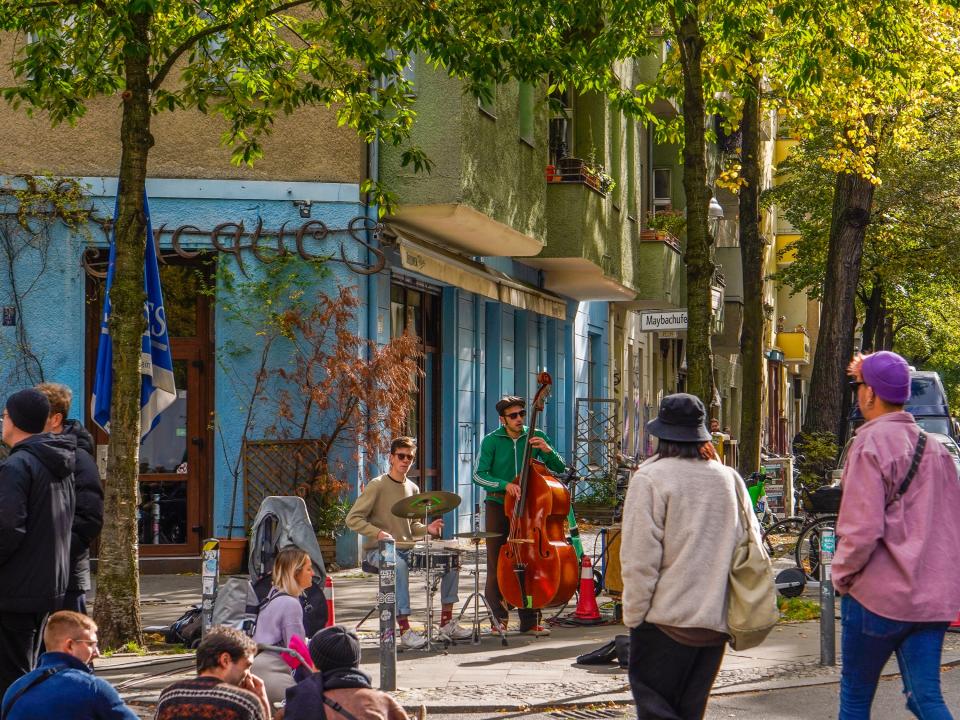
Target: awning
(462,272)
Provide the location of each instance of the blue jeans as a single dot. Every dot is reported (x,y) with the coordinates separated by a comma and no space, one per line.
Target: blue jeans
(867,642)
(448,583)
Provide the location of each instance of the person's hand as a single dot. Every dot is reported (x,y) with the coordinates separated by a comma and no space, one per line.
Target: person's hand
(384,535)
(539,443)
(255,685)
(435,528)
(513,490)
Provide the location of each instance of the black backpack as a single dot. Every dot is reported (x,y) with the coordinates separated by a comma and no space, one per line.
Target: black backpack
(187,629)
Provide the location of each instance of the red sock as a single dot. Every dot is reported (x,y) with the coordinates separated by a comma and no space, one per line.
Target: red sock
(446,616)
(404,623)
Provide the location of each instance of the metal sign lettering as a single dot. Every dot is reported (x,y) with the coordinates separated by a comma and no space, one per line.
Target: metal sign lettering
(663,320)
(233,238)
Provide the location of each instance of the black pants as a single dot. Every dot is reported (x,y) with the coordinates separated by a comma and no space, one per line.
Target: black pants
(670,681)
(19,645)
(497,522)
(75,600)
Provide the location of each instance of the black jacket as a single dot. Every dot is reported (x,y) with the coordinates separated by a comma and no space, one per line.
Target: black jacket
(36,512)
(88,516)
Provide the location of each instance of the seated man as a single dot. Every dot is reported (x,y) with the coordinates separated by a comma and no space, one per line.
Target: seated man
(338,683)
(370,516)
(224,687)
(63,684)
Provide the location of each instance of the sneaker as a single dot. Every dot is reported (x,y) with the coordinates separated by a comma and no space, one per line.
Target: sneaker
(453,631)
(536,631)
(500,627)
(412,640)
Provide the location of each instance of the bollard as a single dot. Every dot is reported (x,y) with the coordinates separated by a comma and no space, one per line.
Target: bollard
(828,640)
(209,577)
(387,606)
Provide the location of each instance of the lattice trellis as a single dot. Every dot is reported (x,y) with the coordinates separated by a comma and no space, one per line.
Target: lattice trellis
(277,467)
(595,442)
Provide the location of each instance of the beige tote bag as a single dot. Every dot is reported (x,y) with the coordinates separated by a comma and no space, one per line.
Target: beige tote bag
(751,595)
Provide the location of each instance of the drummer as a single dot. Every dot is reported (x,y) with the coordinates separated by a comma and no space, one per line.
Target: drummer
(370,516)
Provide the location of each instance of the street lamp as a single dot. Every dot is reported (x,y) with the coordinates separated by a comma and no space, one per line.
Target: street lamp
(714,216)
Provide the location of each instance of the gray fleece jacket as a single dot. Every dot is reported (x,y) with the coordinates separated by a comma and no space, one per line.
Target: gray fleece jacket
(680,528)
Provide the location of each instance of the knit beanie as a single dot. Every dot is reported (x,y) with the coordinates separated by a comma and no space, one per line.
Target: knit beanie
(335,647)
(889,376)
(28,410)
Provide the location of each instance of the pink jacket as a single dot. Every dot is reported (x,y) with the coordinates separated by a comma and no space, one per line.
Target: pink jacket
(901,561)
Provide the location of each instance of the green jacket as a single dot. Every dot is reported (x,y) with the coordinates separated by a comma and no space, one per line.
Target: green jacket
(500,458)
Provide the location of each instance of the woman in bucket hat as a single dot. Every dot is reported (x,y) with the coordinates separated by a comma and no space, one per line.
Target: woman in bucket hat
(681,524)
(897,549)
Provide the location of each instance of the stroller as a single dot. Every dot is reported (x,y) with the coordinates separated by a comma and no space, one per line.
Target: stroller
(281,521)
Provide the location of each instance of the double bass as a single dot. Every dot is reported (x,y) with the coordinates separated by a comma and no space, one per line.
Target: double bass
(537,567)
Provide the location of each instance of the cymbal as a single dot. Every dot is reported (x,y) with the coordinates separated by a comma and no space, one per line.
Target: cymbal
(434,502)
(478,535)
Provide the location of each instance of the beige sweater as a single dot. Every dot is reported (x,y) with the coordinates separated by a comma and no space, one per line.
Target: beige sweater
(680,528)
(371,513)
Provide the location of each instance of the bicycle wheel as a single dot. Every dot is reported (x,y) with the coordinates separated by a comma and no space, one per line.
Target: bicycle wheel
(780,539)
(808,545)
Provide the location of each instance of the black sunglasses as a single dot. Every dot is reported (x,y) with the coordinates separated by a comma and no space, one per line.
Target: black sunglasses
(515,415)
(854,384)
(404,456)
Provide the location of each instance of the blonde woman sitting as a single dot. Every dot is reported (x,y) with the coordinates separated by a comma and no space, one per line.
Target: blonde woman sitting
(280,618)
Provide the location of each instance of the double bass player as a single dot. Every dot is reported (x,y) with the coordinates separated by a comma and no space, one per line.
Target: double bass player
(501,454)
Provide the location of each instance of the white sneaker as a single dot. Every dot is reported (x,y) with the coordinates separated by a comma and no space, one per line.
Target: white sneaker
(453,631)
(412,640)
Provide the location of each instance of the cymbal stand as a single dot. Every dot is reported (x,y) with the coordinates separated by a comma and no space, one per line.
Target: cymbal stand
(477,597)
(430,590)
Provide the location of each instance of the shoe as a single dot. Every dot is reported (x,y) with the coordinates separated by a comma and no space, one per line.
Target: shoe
(500,627)
(536,631)
(453,631)
(412,640)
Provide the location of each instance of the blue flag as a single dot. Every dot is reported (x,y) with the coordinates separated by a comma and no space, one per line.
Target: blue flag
(157,388)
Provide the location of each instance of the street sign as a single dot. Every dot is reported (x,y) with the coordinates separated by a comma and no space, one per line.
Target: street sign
(654,320)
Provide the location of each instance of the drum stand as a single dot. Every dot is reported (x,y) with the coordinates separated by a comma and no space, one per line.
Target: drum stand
(477,597)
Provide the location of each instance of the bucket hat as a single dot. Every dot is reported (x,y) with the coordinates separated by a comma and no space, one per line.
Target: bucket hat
(681,419)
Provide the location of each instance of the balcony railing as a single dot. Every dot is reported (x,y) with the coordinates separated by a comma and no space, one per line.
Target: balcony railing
(576,170)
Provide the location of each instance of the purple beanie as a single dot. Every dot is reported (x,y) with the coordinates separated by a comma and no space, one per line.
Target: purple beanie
(889,376)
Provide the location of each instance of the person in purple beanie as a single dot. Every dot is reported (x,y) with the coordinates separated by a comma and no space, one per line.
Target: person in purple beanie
(898,539)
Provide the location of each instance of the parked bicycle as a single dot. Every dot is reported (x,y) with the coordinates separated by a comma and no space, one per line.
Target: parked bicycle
(798,536)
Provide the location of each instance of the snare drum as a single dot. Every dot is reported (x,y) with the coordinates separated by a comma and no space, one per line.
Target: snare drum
(440,560)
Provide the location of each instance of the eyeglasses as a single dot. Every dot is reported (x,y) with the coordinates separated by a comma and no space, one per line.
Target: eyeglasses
(854,384)
(94,644)
(515,415)
(404,456)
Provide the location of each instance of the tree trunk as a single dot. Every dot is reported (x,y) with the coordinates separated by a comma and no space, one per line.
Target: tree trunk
(751,263)
(879,332)
(871,315)
(699,257)
(852,203)
(117,606)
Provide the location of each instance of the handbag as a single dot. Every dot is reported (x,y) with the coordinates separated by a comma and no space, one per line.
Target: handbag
(751,595)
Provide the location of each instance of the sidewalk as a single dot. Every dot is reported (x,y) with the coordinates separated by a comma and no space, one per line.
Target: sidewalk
(488,677)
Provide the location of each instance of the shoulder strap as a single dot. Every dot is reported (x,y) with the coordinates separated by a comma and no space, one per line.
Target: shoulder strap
(45,675)
(339,708)
(917,454)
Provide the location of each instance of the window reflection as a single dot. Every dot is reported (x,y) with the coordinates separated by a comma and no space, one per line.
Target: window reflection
(164,450)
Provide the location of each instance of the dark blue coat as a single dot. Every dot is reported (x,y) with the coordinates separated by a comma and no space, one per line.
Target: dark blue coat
(37,498)
(88,517)
(74,692)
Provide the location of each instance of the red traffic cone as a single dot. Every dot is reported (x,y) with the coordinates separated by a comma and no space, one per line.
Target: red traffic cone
(328,591)
(955,623)
(587,609)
